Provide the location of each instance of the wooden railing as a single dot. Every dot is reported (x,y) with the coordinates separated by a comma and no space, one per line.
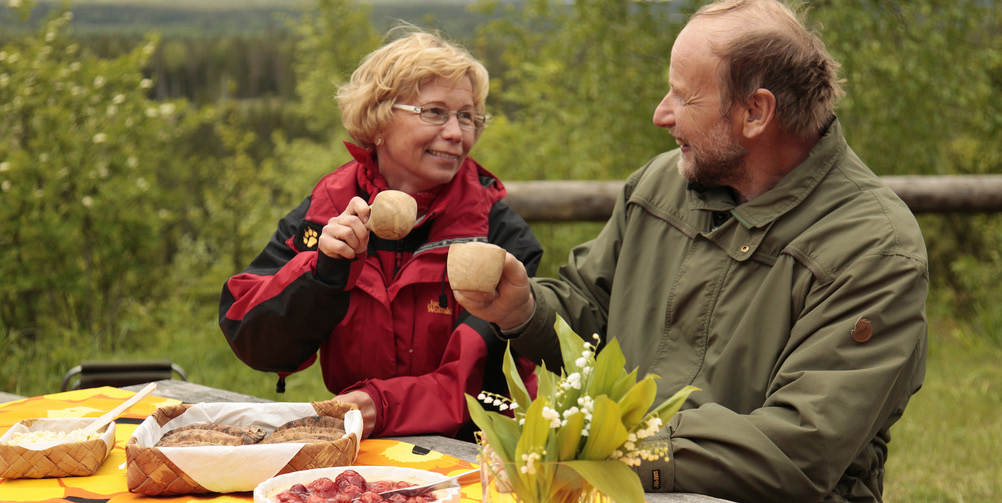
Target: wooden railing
(592,201)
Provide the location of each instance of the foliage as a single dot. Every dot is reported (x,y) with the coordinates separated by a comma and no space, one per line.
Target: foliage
(930,59)
(923,82)
(331,41)
(206,69)
(577,84)
(81,154)
(595,420)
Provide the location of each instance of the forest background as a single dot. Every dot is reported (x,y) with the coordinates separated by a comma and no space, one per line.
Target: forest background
(147,149)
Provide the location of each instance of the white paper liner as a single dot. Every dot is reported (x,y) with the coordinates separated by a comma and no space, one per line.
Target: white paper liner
(57,425)
(267,490)
(213,467)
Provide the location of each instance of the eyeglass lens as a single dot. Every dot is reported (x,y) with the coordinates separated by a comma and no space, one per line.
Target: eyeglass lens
(437,115)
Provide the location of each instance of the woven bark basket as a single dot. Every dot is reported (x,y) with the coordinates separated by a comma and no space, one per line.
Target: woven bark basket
(150,472)
(61,460)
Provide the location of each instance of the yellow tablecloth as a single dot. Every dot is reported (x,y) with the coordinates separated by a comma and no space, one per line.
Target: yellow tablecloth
(108,484)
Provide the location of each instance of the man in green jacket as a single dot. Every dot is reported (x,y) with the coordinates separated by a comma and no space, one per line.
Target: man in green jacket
(762,262)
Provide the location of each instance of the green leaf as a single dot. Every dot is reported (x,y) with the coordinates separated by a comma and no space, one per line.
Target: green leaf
(612,478)
(508,431)
(609,368)
(516,388)
(545,385)
(535,433)
(535,430)
(569,436)
(624,385)
(638,401)
(607,431)
(669,407)
(485,422)
(571,344)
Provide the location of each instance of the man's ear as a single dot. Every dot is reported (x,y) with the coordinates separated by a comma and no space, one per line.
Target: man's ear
(759,113)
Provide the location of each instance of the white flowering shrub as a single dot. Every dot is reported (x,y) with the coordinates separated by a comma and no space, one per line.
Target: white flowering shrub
(81,165)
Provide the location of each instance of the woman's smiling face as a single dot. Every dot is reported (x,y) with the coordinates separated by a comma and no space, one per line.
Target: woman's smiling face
(414,155)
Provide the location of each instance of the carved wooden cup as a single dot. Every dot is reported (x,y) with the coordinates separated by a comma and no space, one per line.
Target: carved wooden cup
(475,266)
(392,214)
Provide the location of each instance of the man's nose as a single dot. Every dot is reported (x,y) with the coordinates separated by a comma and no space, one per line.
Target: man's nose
(664,114)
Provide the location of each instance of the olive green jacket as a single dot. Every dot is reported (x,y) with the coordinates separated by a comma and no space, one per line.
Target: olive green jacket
(799,314)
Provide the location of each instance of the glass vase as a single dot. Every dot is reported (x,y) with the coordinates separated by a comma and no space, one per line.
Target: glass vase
(546,482)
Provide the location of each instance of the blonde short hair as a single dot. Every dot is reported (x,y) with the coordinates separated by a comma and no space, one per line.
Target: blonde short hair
(394,73)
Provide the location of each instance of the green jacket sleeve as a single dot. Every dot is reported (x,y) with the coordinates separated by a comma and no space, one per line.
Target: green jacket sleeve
(580,295)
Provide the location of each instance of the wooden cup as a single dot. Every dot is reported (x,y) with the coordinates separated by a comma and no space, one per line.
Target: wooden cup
(392,214)
(475,266)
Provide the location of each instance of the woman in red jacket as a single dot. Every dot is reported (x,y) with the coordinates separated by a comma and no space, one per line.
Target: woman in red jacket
(391,337)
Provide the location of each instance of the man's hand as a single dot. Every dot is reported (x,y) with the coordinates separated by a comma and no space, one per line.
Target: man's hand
(510,305)
(345,235)
(365,405)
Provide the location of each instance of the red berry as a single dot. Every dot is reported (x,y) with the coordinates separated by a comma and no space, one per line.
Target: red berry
(379,486)
(349,478)
(316,498)
(370,497)
(352,491)
(324,487)
(288,497)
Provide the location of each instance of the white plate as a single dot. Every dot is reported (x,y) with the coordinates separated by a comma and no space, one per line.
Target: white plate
(265,491)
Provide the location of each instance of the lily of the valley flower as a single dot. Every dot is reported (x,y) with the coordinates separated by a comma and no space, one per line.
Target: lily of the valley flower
(594,419)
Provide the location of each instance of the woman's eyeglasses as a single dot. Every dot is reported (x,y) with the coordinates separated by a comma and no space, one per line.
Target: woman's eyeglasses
(438,116)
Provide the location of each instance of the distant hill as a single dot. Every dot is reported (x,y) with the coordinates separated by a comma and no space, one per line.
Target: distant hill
(228,17)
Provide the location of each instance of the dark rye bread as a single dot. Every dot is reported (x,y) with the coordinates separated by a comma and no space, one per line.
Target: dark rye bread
(315,422)
(211,434)
(307,430)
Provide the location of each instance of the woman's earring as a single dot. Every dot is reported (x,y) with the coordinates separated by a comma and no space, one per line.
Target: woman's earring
(379,141)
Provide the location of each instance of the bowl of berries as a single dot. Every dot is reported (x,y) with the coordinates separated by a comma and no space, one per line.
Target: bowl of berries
(365,484)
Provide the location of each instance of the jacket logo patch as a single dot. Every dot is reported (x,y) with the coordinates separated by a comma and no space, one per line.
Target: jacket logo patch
(655,479)
(310,238)
(435,307)
(862,331)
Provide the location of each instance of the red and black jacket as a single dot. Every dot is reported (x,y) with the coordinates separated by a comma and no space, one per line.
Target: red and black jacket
(400,336)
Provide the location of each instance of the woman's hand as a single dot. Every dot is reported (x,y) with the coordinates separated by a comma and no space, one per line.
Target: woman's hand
(365,405)
(345,235)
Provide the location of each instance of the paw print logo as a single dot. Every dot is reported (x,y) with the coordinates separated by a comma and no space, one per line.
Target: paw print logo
(310,237)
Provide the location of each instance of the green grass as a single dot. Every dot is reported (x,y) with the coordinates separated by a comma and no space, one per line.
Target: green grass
(947,446)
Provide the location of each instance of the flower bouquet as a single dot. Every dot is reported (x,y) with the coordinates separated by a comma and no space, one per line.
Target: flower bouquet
(579,437)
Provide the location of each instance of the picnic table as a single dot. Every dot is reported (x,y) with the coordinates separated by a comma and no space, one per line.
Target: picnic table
(428,452)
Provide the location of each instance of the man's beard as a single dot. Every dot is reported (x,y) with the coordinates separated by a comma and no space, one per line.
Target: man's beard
(718,160)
